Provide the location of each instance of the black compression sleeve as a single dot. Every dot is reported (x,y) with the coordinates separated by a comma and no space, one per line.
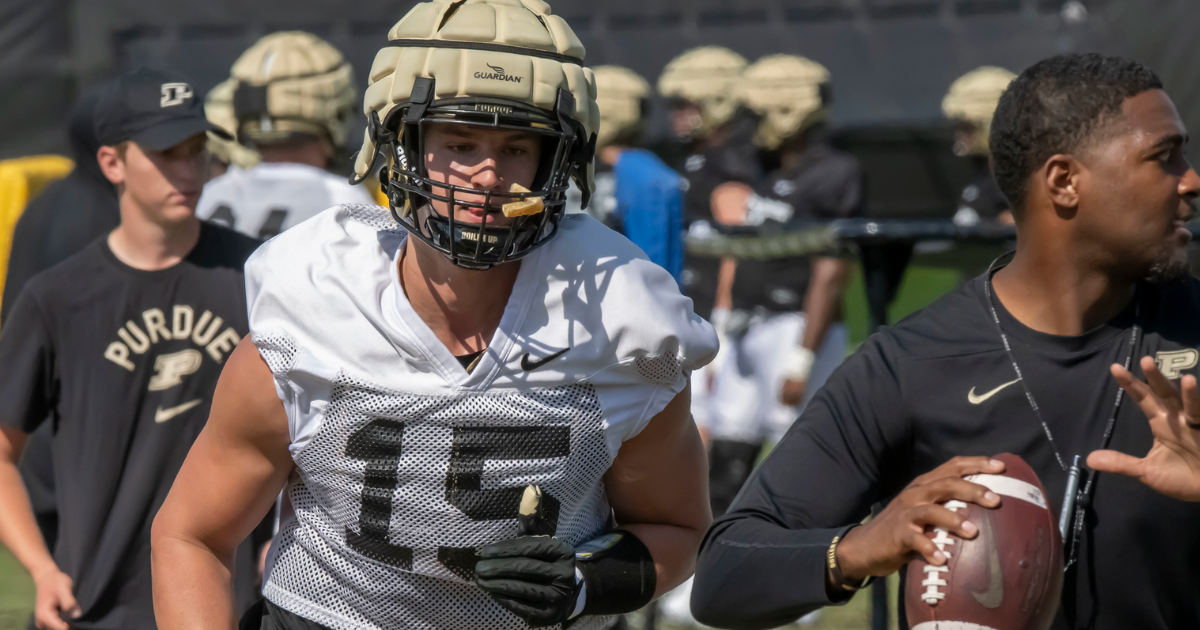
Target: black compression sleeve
(620,580)
(762,564)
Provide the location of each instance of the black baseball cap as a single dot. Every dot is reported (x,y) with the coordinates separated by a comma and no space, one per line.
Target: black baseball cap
(155,107)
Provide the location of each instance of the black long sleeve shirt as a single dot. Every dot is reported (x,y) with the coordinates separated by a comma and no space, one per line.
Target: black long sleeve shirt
(916,395)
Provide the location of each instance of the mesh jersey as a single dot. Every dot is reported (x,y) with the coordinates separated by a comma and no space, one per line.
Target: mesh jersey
(265,200)
(405,462)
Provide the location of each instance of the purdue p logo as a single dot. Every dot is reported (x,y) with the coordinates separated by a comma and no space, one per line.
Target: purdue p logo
(169,369)
(175,93)
(1173,363)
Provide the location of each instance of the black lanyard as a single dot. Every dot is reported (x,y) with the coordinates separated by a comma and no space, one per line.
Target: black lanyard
(1073,501)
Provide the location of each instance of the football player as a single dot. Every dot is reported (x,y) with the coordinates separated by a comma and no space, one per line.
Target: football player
(969,104)
(410,372)
(701,88)
(293,97)
(783,335)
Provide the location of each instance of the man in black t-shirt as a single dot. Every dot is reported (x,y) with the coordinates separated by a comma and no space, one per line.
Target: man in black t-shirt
(1090,151)
(120,346)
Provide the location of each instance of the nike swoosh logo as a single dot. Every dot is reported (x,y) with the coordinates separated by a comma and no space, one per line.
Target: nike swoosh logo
(530,366)
(994,595)
(975,400)
(162,415)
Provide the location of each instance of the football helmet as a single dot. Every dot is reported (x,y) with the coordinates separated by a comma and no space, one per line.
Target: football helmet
(623,98)
(708,77)
(293,82)
(789,93)
(972,100)
(494,64)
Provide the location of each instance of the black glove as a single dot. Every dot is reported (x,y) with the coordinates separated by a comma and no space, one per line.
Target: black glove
(533,577)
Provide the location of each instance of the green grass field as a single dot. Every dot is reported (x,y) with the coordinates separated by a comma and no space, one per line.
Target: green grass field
(16,593)
(921,286)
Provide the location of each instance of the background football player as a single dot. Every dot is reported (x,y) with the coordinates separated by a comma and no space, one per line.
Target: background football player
(701,88)
(412,372)
(293,97)
(783,336)
(969,104)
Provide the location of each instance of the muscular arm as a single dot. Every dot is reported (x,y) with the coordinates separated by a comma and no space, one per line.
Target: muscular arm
(658,488)
(231,477)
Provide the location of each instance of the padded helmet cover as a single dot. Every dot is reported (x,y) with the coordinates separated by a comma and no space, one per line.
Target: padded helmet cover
(973,98)
(621,95)
(787,92)
(707,76)
(293,82)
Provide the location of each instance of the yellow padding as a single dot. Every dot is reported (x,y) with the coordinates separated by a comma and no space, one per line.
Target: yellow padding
(22,179)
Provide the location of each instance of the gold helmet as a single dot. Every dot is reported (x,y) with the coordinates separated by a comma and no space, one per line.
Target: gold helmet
(622,96)
(218,108)
(293,82)
(498,64)
(790,95)
(708,77)
(972,100)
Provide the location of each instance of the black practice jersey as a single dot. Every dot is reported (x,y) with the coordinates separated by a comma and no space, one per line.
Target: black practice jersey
(938,385)
(734,161)
(826,184)
(124,363)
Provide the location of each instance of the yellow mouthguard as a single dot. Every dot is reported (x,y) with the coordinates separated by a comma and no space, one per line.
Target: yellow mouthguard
(532,205)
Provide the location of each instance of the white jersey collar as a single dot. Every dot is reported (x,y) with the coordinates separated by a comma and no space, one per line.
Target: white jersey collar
(399,312)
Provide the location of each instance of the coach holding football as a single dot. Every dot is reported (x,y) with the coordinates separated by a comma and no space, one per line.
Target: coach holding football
(1029,359)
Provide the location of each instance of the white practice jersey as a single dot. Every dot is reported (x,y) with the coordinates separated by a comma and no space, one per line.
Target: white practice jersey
(406,464)
(265,200)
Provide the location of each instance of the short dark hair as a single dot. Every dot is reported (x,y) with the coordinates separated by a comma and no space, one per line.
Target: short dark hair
(1056,106)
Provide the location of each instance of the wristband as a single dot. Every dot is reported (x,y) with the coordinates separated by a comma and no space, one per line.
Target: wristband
(798,364)
(618,574)
(835,570)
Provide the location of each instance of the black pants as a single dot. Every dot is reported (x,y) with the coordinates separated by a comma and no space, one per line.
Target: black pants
(729,466)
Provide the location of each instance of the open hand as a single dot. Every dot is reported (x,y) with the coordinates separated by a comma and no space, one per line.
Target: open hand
(897,534)
(1172,467)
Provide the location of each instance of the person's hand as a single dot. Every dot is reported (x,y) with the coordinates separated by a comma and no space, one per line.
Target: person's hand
(897,535)
(55,598)
(1172,467)
(792,392)
(531,576)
